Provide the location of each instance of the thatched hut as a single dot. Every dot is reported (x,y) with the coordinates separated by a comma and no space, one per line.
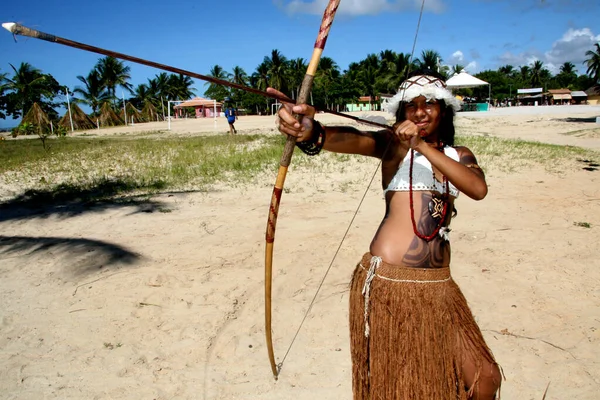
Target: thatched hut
(38,118)
(81,120)
(108,117)
(149,113)
(133,115)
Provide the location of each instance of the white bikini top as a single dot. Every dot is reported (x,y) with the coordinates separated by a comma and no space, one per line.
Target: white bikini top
(422,175)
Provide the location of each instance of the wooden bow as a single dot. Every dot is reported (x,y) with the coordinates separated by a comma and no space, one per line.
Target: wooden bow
(284,163)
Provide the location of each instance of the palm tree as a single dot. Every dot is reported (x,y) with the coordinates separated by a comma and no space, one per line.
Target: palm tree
(507,70)
(457,68)
(3,87)
(27,86)
(260,77)
(214,91)
(240,77)
(180,87)
(278,71)
(297,70)
(114,73)
(141,96)
(536,73)
(430,59)
(568,68)
(93,93)
(593,63)
(327,73)
(524,73)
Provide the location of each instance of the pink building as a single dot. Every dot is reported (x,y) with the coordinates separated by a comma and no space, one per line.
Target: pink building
(205,108)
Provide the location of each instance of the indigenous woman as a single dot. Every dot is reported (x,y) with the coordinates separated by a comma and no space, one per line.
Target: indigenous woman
(412,333)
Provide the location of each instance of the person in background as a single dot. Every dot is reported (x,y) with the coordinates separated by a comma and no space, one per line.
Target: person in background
(231,116)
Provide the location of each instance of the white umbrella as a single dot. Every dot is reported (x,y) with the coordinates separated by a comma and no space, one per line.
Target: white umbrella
(464,80)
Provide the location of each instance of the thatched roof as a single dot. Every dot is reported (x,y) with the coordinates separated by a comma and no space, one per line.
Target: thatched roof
(198,102)
(108,117)
(132,112)
(81,120)
(593,91)
(149,113)
(37,117)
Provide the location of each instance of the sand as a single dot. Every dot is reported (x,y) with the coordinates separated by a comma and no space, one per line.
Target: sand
(163,298)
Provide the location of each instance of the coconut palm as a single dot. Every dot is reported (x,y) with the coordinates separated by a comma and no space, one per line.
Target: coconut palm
(593,63)
(297,70)
(456,69)
(29,85)
(260,77)
(327,74)
(536,73)
(240,77)
(114,73)
(278,71)
(524,72)
(93,92)
(568,68)
(3,87)
(214,91)
(507,70)
(430,59)
(180,87)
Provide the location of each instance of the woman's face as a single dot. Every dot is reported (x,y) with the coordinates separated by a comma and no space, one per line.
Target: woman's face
(426,114)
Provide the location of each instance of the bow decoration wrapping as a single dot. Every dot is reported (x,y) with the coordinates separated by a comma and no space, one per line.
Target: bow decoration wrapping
(284,163)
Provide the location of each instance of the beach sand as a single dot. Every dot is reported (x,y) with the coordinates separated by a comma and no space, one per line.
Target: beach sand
(163,298)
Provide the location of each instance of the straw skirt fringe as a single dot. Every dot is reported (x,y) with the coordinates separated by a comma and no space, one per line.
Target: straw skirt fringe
(419,328)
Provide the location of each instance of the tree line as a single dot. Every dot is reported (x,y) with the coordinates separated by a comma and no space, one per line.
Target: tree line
(333,88)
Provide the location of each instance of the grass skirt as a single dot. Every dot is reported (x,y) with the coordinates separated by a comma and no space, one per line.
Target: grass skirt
(419,329)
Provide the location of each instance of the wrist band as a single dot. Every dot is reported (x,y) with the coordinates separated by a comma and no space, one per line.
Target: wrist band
(314,145)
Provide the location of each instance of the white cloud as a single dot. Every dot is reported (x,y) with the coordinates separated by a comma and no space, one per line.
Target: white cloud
(571,47)
(359,7)
(457,57)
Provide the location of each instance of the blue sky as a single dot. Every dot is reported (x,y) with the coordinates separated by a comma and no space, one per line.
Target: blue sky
(195,35)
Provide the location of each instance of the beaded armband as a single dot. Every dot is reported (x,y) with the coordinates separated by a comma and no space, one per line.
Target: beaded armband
(313,146)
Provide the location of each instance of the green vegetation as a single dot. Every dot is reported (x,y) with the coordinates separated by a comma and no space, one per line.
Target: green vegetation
(333,88)
(100,168)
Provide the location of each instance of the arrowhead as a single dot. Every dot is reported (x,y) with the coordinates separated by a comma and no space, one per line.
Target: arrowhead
(9,26)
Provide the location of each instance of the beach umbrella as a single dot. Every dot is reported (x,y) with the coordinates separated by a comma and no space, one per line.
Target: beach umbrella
(37,117)
(133,114)
(108,117)
(149,113)
(81,120)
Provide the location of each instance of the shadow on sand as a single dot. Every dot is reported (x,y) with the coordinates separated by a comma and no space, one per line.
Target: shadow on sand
(578,120)
(71,200)
(86,256)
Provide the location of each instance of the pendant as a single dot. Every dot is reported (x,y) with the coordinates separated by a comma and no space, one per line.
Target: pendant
(436,208)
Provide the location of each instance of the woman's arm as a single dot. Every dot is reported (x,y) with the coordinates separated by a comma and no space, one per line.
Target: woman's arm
(464,174)
(349,140)
(339,139)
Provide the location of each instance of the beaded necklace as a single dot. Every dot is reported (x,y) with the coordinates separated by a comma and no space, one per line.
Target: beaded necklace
(434,204)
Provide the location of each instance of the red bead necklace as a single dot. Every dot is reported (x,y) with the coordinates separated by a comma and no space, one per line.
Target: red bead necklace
(427,238)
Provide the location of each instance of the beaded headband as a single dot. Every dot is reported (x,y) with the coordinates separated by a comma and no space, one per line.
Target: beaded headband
(423,85)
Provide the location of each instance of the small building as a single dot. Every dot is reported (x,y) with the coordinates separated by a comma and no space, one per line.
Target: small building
(559,96)
(531,96)
(365,103)
(204,108)
(579,97)
(593,95)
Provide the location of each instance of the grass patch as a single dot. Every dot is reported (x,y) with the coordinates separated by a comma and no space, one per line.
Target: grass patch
(119,165)
(87,169)
(508,155)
